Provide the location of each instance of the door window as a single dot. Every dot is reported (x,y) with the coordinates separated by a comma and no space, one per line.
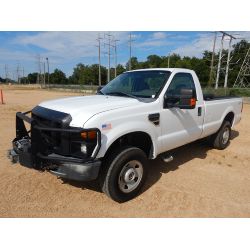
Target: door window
(180,81)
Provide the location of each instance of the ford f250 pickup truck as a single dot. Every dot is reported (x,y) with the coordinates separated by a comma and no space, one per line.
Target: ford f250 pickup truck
(110,136)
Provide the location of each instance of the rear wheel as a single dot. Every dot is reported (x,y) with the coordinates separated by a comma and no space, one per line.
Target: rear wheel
(124,173)
(221,139)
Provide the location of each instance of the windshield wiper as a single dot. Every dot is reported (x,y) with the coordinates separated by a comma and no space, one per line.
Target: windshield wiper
(119,93)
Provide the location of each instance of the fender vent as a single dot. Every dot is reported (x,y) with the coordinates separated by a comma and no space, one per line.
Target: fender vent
(154,118)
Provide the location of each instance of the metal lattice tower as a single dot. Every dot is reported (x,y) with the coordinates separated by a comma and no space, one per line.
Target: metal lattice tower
(243,78)
(40,77)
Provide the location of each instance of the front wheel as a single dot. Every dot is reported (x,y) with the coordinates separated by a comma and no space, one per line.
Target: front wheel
(125,173)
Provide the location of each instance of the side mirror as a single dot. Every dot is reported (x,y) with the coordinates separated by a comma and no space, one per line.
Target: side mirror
(98,89)
(185,99)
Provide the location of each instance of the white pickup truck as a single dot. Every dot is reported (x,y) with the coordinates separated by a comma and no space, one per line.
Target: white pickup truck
(111,135)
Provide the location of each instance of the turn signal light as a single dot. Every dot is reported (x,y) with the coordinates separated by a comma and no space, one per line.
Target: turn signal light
(89,135)
(192,102)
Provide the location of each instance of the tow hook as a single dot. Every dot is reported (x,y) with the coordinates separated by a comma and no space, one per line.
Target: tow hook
(12,155)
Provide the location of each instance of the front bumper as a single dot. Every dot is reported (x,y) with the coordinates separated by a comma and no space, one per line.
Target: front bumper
(30,151)
(80,172)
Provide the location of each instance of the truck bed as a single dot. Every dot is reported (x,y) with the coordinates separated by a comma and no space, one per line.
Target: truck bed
(211,97)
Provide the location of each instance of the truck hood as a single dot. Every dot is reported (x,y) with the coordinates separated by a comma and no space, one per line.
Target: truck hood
(82,108)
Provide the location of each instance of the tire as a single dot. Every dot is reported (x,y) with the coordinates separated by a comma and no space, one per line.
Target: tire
(221,139)
(124,173)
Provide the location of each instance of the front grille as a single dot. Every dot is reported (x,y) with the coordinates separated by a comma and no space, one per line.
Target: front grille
(51,141)
(51,138)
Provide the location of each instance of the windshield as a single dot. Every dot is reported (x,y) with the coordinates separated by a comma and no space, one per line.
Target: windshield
(145,84)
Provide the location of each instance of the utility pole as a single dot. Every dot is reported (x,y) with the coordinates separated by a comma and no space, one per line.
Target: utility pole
(44,81)
(39,68)
(130,50)
(228,61)
(47,59)
(23,76)
(109,44)
(228,57)
(115,55)
(99,60)
(17,73)
(6,72)
(168,60)
(219,63)
(212,61)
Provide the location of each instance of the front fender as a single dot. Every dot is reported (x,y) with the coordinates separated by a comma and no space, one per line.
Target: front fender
(110,136)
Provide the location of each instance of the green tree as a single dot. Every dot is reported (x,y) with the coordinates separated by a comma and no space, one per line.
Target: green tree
(120,69)
(32,77)
(154,61)
(134,63)
(58,77)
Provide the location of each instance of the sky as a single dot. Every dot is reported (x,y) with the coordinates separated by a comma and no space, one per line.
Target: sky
(64,50)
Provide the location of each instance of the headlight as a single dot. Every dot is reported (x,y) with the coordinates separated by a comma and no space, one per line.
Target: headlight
(84,148)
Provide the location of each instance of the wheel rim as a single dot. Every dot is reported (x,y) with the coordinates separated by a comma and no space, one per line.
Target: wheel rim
(130,176)
(225,136)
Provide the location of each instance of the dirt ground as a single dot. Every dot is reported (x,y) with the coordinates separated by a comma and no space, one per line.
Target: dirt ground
(200,182)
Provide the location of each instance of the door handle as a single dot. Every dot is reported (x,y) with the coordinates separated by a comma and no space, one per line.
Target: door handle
(199,111)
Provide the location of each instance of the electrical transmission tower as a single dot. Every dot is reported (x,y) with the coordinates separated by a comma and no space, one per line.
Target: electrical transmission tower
(40,76)
(220,57)
(243,78)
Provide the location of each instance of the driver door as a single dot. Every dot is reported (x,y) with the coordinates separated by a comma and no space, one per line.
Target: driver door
(180,126)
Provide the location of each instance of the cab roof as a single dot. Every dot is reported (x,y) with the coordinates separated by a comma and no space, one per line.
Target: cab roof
(163,69)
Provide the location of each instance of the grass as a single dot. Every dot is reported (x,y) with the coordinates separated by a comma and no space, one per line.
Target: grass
(244,92)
